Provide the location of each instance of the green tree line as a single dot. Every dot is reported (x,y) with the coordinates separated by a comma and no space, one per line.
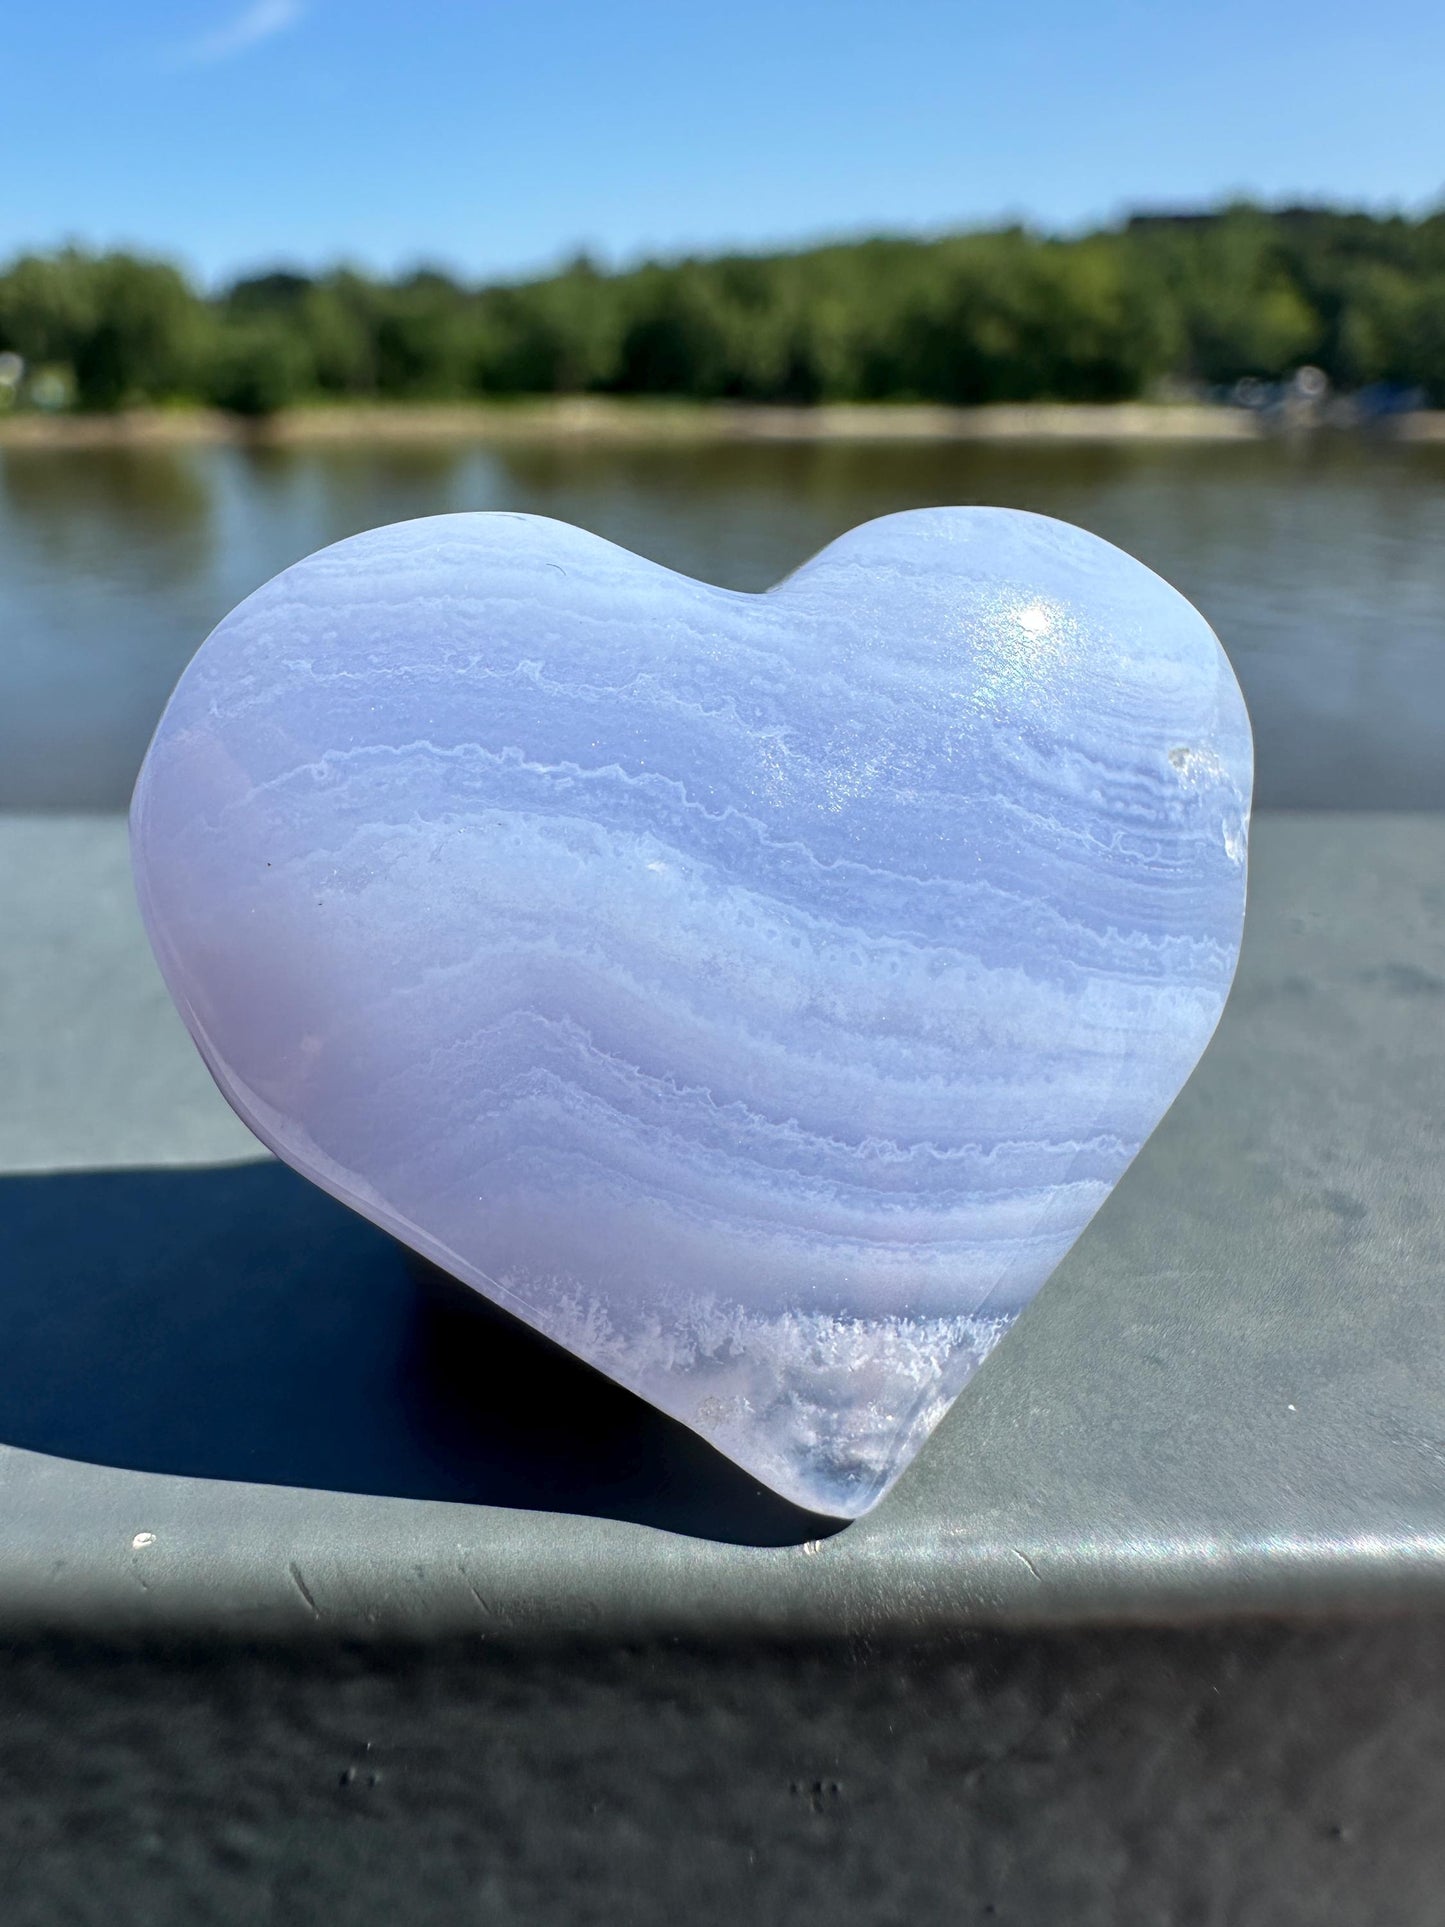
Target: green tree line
(981,317)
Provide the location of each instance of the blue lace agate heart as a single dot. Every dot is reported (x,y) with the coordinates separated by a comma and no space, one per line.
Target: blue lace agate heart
(758,994)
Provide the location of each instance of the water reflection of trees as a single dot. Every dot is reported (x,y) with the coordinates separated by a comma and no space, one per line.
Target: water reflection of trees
(343,487)
(744,513)
(140,511)
(1319,561)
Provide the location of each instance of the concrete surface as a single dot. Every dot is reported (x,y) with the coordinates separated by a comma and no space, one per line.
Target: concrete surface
(1269,1777)
(230,1408)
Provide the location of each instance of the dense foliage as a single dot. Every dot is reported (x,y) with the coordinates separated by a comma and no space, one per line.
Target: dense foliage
(1205,299)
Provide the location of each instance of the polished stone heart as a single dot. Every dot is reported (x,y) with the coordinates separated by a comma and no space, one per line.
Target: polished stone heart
(758,994)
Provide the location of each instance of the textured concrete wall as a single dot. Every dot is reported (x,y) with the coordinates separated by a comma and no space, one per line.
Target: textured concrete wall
(1271,1776)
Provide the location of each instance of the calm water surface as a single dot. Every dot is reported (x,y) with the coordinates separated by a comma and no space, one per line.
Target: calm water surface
(1321,566)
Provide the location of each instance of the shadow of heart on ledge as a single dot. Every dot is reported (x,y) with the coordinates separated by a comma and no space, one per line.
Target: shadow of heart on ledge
(234,1322)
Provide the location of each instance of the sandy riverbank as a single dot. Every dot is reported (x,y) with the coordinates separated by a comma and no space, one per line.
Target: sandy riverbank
(604,419)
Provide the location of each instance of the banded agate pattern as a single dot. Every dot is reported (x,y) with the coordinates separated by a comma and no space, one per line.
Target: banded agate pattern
(757,994)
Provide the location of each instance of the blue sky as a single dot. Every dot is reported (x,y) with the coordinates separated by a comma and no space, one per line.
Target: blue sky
(499,136)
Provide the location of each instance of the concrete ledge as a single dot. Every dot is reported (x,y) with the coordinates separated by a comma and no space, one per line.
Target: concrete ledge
(228,1406)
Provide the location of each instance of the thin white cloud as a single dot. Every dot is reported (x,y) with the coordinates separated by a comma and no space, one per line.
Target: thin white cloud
(262,20)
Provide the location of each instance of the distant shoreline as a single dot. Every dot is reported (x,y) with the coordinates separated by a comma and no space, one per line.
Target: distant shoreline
(606,420)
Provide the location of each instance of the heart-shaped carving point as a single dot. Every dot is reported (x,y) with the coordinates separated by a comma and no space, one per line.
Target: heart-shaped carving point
(757,994)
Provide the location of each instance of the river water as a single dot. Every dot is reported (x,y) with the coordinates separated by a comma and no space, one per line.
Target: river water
(1321,565)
